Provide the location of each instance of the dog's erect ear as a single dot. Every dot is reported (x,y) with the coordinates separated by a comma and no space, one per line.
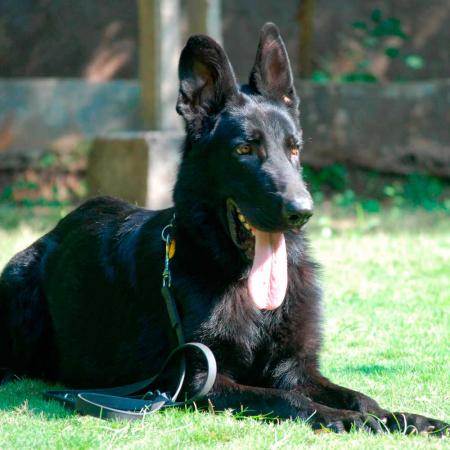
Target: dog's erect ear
(271,75)
(207,81)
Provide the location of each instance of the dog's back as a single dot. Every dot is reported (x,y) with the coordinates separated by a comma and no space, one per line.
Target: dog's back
(98,245)
(26,344)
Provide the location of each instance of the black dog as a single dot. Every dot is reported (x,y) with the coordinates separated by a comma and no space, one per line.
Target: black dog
(82,305)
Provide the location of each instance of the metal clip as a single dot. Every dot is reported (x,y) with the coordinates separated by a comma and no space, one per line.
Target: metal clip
(166,276)
(165,236)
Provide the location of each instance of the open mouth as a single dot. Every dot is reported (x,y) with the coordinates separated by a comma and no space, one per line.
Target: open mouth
(240,230)
(267,280)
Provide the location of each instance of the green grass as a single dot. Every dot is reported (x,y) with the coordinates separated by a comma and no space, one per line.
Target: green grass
(387,333)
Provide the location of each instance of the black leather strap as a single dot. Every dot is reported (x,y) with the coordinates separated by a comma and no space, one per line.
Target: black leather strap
(115,403)
(121,402)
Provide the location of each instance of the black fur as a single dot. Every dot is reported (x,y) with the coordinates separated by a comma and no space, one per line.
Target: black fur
(82,305)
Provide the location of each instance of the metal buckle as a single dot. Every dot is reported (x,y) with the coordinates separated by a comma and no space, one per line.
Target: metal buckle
(165,236)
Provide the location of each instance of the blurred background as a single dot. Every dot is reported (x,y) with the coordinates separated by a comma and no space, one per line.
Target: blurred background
(87,107)
(88,88)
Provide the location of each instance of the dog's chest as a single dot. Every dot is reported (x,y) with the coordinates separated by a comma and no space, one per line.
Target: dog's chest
(225,319)
(235,331)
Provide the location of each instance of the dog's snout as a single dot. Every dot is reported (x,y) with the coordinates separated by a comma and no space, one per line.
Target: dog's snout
(297,212)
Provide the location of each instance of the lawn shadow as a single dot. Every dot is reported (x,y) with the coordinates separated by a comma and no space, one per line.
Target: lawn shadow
(27,395)
(375,369)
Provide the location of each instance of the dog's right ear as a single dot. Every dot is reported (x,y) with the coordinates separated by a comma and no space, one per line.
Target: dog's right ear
(207,82)
(271,75)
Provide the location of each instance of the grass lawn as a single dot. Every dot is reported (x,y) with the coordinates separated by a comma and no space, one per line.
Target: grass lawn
(387,333)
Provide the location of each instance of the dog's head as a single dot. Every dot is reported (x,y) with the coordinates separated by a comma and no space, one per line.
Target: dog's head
(244,142)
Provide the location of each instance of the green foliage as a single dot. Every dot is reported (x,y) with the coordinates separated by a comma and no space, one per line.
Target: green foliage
(364,77)
(48,160)
(415,191)
(54,180)
(320,76)
(6,194)
(392,52)
(29,194)
(334,176)
(376,35)
(414,61)
(419,191)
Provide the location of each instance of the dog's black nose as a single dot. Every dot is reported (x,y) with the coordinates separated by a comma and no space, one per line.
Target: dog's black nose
(297,212)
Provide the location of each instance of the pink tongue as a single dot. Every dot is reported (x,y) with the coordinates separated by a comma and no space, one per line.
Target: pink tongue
(267,281)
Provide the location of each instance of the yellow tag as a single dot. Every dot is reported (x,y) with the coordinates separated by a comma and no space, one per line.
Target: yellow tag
(171,248)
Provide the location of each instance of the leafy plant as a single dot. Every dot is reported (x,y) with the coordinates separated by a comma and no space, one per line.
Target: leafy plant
(418,191)
(55,179)
(334,183)
(375,36)
(334,177)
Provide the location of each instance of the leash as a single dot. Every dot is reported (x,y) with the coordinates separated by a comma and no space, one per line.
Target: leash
(122,402)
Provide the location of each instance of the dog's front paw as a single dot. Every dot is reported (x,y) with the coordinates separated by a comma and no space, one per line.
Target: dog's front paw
(414,423)
(355,401)
(345,421)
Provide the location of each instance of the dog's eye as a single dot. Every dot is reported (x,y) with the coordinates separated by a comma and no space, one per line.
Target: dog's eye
(244,150)
(295,152)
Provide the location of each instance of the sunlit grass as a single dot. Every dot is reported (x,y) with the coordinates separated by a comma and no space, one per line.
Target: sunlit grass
(387,333)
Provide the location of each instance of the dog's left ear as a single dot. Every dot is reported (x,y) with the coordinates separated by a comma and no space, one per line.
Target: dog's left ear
(207,82)
(271,75)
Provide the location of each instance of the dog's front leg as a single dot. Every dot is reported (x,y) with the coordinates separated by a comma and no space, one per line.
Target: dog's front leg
(323,391)
(284,404)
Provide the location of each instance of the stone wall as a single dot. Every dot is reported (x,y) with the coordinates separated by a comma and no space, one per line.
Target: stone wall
(393,127)
(57,113)
(138,167)
(98,39)
(396,128)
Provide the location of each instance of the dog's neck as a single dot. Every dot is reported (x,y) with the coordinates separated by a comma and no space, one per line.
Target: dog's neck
(200,228)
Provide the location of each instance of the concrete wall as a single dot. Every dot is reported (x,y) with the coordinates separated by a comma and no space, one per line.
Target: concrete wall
(149,159)
(98,39)
(58,113)
(394,127)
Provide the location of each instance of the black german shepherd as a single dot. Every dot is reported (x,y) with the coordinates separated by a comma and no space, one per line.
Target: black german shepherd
(82,305)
